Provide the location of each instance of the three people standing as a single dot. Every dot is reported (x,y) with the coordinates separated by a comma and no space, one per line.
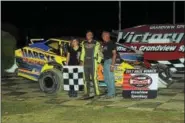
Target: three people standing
(91,55)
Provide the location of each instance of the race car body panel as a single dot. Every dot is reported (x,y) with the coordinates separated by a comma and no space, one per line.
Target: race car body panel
(32,60)
(40,46)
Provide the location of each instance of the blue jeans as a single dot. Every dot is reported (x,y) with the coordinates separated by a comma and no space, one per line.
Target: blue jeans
(109,77)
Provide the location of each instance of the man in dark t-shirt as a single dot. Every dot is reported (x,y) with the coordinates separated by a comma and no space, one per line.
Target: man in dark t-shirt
(108,47)
(109,52)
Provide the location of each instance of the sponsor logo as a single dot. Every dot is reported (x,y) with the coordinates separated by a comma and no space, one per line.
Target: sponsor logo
(133,37)
(167,27)
(140,81)
(154,48)
(164,48)
(28,53)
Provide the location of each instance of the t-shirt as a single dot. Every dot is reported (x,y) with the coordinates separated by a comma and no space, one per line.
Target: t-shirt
(74,56)
(108,47)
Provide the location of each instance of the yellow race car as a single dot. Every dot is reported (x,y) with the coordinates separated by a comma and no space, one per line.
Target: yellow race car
(42,61)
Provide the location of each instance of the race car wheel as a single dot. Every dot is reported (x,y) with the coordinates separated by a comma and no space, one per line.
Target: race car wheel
(51,81)
(164,77)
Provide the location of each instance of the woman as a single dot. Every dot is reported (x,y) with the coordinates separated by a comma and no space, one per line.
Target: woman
(73,59)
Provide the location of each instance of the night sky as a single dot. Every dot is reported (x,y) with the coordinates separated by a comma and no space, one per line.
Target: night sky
(53,19)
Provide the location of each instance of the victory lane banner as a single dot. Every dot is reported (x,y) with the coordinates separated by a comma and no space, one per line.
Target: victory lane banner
(73,78)
(140,84)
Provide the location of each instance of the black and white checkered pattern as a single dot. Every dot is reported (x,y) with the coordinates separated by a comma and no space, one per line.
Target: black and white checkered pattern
(73,78)
(174,65)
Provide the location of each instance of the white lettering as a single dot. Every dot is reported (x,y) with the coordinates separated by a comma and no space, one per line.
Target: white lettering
(139,96)
(135,38)
(158,48)
(120,48)
(181,48)
(163,27)
(180,26)
(156,36)
(139,92)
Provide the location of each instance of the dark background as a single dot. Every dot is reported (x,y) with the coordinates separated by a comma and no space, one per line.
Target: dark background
(55,19)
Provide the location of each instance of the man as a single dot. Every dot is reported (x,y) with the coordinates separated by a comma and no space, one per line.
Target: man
(109,52)
(90,57)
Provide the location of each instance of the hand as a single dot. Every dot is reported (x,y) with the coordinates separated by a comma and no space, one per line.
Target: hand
(112,68)
(81,63)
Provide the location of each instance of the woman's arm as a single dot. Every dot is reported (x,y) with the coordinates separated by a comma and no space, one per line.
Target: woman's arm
(68,57)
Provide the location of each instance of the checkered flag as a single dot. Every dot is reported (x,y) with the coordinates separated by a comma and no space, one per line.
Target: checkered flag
(174,65)
(73,78)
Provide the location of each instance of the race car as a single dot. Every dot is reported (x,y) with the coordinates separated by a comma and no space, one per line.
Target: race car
(42,61)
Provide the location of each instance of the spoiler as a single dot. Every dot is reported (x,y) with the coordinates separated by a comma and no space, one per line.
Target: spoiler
(32,41)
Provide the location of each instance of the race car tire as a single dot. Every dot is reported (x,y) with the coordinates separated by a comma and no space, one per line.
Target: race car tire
(51,81)
(170,74)
(164,77)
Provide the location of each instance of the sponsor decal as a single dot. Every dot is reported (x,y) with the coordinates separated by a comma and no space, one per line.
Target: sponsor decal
(140,81)
(166,27)
(165,48)
(33,61)
(139,96)
(154,48)
(133,37)
(28,53)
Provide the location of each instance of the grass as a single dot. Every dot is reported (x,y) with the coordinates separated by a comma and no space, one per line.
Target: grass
(34,112)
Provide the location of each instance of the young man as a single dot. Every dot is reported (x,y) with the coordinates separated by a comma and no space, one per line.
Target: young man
(90,57)
(109,52)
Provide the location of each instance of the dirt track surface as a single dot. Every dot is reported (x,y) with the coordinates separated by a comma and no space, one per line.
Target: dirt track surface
(22,97)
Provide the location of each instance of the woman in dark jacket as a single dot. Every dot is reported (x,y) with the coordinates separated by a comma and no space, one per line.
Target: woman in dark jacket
(73,59)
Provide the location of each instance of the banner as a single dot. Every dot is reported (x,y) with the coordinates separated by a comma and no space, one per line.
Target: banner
(164,39)
(140,83)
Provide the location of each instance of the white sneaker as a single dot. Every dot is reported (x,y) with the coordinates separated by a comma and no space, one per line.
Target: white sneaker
(12,69)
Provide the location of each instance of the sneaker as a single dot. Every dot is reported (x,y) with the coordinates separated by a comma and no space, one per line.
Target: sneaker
(96,97)
(75,94)
(70,94)
(84,97)
(109,97)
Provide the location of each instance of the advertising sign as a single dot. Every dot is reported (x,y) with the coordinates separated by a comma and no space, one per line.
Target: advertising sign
(163,47)
(140,83)
(160,43)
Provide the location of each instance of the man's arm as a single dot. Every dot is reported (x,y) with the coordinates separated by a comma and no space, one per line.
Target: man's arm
(114,54)
(113,57)
(82,54)
(100,53)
